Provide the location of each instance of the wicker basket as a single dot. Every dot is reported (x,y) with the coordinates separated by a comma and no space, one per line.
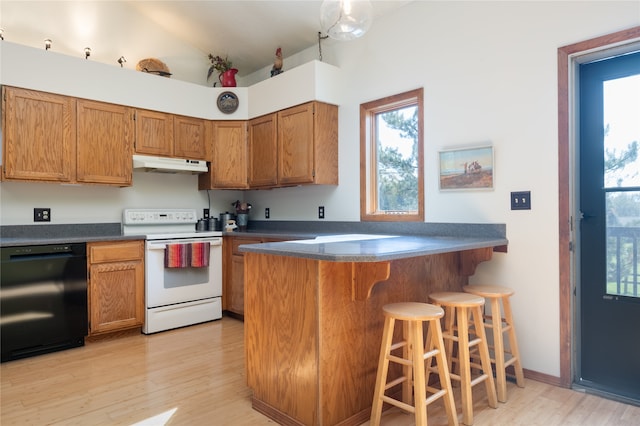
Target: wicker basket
(153,66)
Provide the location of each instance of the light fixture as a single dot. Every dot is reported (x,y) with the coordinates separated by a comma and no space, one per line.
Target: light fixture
(87,52)
(346,19)
(47,43)
(320,38)
(1,33)
(121,61)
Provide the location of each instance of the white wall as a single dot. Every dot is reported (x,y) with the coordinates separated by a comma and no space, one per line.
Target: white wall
(489,72)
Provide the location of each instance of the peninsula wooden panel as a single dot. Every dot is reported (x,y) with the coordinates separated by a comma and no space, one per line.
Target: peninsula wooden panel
(311,346)
(282,333)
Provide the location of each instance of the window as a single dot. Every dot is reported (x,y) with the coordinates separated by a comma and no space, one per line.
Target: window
(391,158)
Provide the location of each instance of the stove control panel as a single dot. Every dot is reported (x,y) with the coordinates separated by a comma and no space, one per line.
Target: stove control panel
(134,217)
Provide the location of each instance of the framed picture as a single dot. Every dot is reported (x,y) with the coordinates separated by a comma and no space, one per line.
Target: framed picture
(466,168)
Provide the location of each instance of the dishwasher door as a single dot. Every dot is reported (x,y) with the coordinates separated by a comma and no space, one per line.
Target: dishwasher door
(43,299)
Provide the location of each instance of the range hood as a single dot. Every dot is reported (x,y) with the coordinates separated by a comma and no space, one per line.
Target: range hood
(149,163)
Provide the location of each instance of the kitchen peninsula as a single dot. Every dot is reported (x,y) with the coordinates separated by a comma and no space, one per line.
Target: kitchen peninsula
(313,314)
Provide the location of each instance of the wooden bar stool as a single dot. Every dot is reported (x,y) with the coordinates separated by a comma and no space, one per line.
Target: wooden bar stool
(413,359)
(500,325)
(464,308)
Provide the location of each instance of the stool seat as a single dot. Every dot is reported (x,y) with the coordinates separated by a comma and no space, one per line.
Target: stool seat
(463,317)
(413,311)
(411,353)
(500,324)
(488,290)
(462,300)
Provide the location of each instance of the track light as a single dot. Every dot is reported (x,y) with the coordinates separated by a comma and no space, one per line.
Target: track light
(47,43)
(87,52)
(121,61)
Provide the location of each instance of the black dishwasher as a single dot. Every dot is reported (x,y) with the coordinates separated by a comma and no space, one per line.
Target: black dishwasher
(43,299)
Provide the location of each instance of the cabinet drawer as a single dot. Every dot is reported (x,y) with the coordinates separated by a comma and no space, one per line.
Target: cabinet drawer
(116,251)
(241,241)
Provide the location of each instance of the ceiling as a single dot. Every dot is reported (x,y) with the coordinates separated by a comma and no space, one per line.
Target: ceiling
(248,31)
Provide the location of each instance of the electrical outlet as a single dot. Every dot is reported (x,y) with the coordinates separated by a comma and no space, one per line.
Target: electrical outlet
(266,213)
(41,214)
(521,200)
(320,212)
(205,213)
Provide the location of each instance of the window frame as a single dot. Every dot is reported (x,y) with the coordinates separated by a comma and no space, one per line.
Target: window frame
(368,156)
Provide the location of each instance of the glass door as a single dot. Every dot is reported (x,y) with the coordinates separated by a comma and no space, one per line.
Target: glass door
(609,288)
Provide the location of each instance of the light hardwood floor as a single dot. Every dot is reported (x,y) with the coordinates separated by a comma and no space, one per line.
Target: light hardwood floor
(195,376)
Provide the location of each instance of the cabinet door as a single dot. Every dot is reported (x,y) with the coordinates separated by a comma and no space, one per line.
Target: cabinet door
(295,145)
(263,151)
(116,286)
(190,138)
(229,158)
(39,136)
(235,301)
(105,143)
(154,133)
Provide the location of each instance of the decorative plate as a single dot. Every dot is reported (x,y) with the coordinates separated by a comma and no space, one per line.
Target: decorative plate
(227,102)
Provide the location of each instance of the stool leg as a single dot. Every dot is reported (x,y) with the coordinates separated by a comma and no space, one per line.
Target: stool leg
(484,357)
(407,385)
(498,348)
(449,319)
(419,385)
(513,343)
(435,333)
(465,367)
(383,367)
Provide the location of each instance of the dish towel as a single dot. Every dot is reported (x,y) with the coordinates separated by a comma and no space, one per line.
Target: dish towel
(192,255)
(200,255)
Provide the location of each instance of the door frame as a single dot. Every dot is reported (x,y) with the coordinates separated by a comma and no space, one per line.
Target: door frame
(569,57)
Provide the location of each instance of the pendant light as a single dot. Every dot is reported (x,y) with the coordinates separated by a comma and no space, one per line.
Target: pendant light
(346,19)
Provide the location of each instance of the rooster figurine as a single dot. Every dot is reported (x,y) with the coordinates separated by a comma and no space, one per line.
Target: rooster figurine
(277,64)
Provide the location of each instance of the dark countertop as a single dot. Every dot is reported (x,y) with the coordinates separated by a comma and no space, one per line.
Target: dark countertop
(372,248)
(429,236)
(31,235)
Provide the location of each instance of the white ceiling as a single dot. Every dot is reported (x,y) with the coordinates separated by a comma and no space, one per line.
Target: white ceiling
(255,29)
(247,31)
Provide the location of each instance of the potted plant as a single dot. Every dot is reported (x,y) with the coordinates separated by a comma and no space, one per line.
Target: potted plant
(224,67)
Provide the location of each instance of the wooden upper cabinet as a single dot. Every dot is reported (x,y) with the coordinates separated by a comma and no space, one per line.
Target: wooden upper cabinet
(229,157)
(263,151)
(189,138)
(39,131)
(104,143)
(154,133)
(308,144)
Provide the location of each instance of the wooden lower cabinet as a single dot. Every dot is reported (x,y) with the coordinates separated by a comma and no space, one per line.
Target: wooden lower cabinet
(233,273)
(116,285)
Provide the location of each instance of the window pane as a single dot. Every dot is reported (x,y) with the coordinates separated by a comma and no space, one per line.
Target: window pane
(623,236)
(397,160)
(621,108)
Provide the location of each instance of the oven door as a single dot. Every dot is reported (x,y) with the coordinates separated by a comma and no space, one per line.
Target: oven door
(167,286)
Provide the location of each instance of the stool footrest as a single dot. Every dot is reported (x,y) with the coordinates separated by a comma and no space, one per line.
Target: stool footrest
(395,382)
(398,403)
(399,360)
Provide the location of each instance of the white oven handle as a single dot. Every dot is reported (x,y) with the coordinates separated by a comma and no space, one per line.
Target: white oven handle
(162,244)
